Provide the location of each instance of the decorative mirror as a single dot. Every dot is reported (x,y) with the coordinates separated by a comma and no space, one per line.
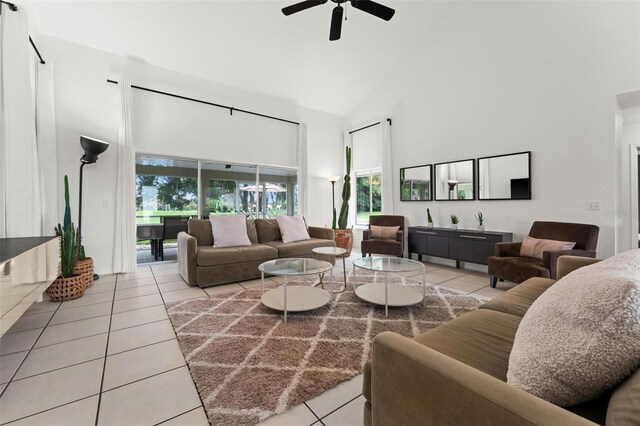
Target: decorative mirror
(455,180)
(415,183)
(505,177)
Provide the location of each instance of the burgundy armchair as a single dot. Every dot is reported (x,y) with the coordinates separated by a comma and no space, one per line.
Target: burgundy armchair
(508,265)
(394,247)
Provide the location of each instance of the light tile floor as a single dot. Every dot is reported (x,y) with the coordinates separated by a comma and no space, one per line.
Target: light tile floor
(112,357)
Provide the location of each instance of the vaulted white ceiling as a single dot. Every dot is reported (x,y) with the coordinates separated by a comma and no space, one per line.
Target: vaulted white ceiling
(251,44)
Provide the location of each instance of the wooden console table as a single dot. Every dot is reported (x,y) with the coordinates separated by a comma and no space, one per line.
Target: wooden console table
(461,245)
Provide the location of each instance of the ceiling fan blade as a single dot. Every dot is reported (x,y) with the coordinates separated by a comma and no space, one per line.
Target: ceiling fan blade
(376,9)
(304,5)
(336,23)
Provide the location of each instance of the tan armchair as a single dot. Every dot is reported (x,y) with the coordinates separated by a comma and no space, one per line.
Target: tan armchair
(394,247)
(507,264)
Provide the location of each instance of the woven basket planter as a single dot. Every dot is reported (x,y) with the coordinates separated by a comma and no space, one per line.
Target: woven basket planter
(85,268)
(66,288)
(344,239)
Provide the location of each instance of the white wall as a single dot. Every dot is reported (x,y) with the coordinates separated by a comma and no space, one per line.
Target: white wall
(87,104)
(503,77)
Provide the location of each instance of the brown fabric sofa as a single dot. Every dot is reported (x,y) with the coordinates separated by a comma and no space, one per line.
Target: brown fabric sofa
(393,247)
(508,265)
(201,264)
(455,374)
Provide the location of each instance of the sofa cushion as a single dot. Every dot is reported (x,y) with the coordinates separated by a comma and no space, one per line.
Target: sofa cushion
(624,406)
(535,247)
(518,300)
(200,229)
(384,232)
(299,248)
(292,228)
(212,256)
(229,231)
(481,339)
(582,336)
(268,230)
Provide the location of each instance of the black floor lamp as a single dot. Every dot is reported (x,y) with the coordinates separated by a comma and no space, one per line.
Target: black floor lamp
(333,180)
(92,148)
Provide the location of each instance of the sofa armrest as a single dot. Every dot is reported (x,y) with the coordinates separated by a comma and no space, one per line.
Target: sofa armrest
(187,254)
(567,264)
(550,258)
(366,234)
(414,384)
(399,236)
(322,233)
(508,249)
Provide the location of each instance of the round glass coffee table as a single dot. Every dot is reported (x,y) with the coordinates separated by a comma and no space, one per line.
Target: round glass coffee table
(334,252)
(294,298)
(383,293)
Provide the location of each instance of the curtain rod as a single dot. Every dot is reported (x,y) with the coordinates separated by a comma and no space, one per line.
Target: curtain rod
(231,109)
(14,8)
(366,127)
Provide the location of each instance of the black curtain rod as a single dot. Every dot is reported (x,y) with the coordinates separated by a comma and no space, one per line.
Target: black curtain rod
(37,51)
(366,127)
(200,101)
(14,8)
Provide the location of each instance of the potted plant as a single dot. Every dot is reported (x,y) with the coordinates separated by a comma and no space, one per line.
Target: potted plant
(344,236)
(454,221)
(429,219)
(480,218)
(69,285)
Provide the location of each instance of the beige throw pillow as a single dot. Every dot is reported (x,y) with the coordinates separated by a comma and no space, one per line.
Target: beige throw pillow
(229,231)
(581,337)
(292,228)
(535,247)
(385,232)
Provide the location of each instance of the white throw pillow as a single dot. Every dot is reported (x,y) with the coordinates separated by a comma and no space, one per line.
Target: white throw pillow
(229,231)
(292,228)
(581,337)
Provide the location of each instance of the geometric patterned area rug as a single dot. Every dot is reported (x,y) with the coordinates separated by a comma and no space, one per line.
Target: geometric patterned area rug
(248,365)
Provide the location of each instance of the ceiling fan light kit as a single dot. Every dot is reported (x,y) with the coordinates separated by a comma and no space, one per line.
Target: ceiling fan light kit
(368,6)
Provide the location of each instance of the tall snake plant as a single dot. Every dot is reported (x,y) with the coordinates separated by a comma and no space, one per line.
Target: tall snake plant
(69,238)
(346,193)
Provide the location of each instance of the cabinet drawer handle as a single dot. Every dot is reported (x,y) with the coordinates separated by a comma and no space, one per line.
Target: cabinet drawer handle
(424,232)
(473,236)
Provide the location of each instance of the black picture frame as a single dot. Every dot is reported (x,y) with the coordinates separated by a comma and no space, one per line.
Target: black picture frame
(473,180)
(402,181)
(519,185)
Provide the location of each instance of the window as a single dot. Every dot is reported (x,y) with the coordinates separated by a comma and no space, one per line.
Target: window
(165,187)
(367,163)
(368,195)
(231,189)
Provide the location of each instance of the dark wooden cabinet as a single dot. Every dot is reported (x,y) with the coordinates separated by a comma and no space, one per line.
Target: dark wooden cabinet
(461,245)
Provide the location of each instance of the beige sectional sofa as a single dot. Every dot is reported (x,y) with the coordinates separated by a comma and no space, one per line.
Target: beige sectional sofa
(201,264)
(456,374)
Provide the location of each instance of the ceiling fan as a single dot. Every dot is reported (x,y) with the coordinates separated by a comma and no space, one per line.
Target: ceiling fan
(369,6)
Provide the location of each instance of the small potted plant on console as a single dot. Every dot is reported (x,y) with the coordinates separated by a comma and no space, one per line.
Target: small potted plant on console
(454,221)
(480,218)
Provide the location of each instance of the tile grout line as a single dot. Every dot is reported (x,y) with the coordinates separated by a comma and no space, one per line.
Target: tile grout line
(30,349)
(312,412)
(50,409)
(106,353)
(340,407)
(178,415)
(175,333)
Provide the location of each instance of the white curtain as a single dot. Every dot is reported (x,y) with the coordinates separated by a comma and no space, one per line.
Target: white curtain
(47,146)
(485,189)
(20,192)
(124,236)
(388,193)
(303,199)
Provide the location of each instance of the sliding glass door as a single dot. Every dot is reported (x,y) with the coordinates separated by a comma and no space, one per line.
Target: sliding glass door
(165,187)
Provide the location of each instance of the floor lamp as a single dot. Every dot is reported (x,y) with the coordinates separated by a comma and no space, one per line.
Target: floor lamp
(92,148)
(333,180)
